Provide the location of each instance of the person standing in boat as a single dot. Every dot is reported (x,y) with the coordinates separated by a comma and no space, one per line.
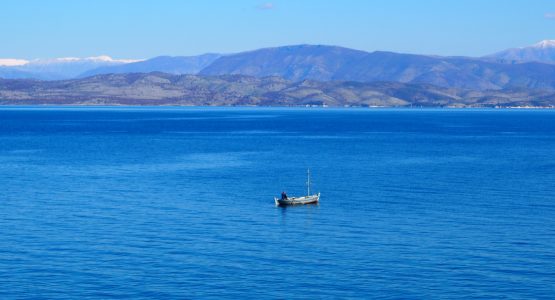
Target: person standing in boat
(283,196)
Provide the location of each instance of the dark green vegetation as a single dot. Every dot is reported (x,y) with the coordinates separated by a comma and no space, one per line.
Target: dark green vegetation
(167,89)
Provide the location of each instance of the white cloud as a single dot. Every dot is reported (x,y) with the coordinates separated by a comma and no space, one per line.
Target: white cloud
(266,6)
(550,15)
(10,62)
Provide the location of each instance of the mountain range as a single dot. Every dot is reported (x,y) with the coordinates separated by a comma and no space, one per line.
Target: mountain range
(518,67)
(56,68)
(166,64)
(543,52)
(523,74)
(340,64)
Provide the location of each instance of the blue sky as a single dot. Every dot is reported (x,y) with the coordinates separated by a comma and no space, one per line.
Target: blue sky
(142,29)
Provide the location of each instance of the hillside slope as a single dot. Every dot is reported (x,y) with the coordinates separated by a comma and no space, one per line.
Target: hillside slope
(168,89)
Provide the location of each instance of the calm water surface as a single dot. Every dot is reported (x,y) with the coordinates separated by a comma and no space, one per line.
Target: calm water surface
(178,203)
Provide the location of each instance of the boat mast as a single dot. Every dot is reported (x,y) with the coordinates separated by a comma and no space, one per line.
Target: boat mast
(308,182)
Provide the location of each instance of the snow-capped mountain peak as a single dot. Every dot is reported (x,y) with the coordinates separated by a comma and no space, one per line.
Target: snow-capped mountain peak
(10,62)
(543,52)
(102,59)
(545,44)
(62,67)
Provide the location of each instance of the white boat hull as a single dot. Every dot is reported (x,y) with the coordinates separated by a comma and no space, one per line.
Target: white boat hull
(298,200)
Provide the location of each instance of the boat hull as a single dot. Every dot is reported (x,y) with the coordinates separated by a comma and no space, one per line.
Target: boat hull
(313,199)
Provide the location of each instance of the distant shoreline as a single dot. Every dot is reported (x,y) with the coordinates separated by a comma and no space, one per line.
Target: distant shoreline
(5,105)
(160,89)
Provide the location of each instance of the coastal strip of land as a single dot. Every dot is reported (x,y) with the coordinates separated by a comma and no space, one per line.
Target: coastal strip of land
(239,90)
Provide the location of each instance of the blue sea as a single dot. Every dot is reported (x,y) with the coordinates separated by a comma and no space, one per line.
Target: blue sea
(177,203)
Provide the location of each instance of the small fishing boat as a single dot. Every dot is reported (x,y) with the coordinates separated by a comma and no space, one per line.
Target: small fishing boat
(308,199)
